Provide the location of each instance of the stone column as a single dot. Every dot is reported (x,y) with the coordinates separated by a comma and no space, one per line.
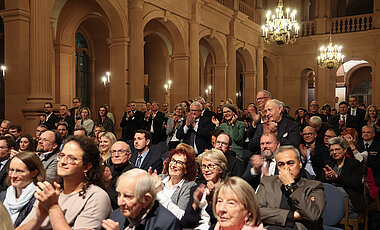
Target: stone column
(260,68)
(136,52)
(219,91)
(180,87)
(231,51)
(325,87)
(249,95)
(194,60)
(119,89)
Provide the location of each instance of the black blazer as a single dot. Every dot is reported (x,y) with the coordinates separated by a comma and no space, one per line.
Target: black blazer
(287,134)
(203,134)
(50,123)
(152,159)
(24,212)
(360,113)
(350,180)
(351,122)
(70,121)
(159,134)
(128,127)
(3,176)
(373,160)
(321,155)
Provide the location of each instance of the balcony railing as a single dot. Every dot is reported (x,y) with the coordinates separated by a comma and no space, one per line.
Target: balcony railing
(353,23)
(247,9)
(307,28)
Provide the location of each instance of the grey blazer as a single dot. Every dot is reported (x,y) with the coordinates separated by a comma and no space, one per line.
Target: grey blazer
(269,195)
(50,165)
(169,129)
(180,196)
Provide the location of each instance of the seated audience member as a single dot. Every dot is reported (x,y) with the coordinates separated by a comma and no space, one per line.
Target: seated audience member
(287,131)
(26,143)
(233,127)
(320,127)
(62,128)
(80,131)
(263,164)
(313,154)
(64,116)
(39,130)
(145,157)
(75,110)
(214,135)
(372,119)
(354,110)
(5,219)
(302,117)
(235,206)
(98,129)
(353,148)
(346,174)
(174,184)
(106,140)
(4,128)
(47,148)
(196,130)
(85,120)
(288,201)
(345,120)
(234,165)
(330,133)
(7,144)
(199,214)
(104,120)
(373,148)
(314,111)
(120,154)
(79,202)
(173,124)
(15,130)
(25,170)
(139,208)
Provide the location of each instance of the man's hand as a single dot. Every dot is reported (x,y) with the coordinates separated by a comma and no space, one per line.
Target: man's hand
(47,194)
(215,121)
(257,162)
(110,225)
(329,173)
(303,150)
(297,216)
(285,177)
(189,120)
(197,196)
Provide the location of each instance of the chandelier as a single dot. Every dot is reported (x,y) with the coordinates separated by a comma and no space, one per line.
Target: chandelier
(280,29)
(330,56)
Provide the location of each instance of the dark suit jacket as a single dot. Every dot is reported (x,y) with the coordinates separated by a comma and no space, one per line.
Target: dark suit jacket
(287,134)
(203,134)
(351,122)
(159,134)
(3,176)
(111,190)
(373,160)
(152,159)
(350,179)
(270,194)
(321,154)
(50,123)
(209,114)
(158,218)
(70,121)
(360,113)
(128,127)
(234,165)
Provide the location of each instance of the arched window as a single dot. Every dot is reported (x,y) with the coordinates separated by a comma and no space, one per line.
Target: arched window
(82,69)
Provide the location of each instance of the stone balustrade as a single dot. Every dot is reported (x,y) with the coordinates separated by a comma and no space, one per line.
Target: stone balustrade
(355,23)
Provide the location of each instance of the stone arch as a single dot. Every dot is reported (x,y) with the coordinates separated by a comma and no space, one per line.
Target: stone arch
(248,80)
(218,44)
(307,86)
(269,74)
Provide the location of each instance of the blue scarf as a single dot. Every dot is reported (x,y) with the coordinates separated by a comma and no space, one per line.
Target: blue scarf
(14,206)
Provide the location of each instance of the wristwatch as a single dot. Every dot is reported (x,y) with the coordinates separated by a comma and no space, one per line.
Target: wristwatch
(290,187)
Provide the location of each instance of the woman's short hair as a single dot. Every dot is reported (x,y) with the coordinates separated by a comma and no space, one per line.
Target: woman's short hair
(32,162)
(187,147)
(31,142)
(110,136)
(338,141)
(181,106)
(191,164)
(244,193)
(215,156)
(85,108)
(366,117)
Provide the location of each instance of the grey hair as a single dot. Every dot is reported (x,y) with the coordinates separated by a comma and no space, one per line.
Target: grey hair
(203,101)
(267,93)
(370,127)
(197,104)
(316,120)
(286,148)
(216,156)
(278,103)
(338,141)
(144,185)
(9,123)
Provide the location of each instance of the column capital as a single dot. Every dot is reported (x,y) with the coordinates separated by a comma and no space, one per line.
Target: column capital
(118,41)
(15,15)
(179,56)
(220,66)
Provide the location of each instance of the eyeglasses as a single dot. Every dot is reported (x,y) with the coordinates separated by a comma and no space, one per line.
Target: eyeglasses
(74,102)
(209,167)
(335,150)
(178,162)
(4,147)
(120,151)
(195,110)
(69,159)
(260,98)
(44,140)
(47,107)
(307,134)
(15,171)
(221,143)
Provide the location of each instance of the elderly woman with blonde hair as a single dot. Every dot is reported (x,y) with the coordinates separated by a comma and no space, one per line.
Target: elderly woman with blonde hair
(235,206)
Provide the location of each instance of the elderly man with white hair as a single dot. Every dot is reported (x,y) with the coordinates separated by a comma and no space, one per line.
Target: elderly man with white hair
(139,208)
(287,131)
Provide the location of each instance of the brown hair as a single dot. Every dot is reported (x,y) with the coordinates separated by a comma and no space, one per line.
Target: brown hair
(191,164)
(32,162)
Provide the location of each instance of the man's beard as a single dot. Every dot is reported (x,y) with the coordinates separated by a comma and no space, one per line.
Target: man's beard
(267,154)
(40,149)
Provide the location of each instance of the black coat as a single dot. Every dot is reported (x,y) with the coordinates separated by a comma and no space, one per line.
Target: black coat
(159,134)
(129,126)
(111,190)
(152,159)
(351,122)
(321,155)
(3,176)
(50,123)
(373,160)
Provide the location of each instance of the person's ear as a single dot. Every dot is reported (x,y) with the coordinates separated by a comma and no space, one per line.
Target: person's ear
(34,173)
(87,167)
(148,199)
(147,142)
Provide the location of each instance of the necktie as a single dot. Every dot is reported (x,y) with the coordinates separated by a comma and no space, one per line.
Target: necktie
(266,168)
(192,137)
(366,146)
(138,162)
(42,156)
(353,112)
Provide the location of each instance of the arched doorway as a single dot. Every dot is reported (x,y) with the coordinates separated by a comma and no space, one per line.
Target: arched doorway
(307,87)
(82,69)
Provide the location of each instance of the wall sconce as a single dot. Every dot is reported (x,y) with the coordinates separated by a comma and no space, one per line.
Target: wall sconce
(168,86)
(106,79)
(3,68)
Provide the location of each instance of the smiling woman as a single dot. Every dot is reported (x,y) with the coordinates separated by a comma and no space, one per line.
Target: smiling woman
(25,170)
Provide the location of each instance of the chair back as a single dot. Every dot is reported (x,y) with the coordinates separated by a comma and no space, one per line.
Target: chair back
(335,205)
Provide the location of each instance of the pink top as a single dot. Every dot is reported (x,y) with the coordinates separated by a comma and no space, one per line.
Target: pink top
(245,227)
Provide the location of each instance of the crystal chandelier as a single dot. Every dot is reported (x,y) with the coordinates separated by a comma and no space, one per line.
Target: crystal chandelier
(280,29)
(330,56)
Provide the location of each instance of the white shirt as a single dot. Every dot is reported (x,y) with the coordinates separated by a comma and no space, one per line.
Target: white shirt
(186,129)
(308,166)
(164,197)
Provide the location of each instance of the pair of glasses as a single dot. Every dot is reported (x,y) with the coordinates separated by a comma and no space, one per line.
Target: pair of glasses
(15,171)
(69,158)
(178,162)
(120,151)
(209,167)
(260,98)
(221,143)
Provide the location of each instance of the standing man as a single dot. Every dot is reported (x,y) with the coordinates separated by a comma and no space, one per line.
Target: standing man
(154,123)
(50,118)
(4,129)
(65,116)
(15,130)
(47,148)
(78,202)
(287,200)
(7,144)
(196,131)
(39,130)
(143,157)
(344,119)
(355,110)
(314,111)
(132,120)
(74,111)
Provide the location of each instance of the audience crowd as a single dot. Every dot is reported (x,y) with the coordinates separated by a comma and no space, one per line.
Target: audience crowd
(189,168)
